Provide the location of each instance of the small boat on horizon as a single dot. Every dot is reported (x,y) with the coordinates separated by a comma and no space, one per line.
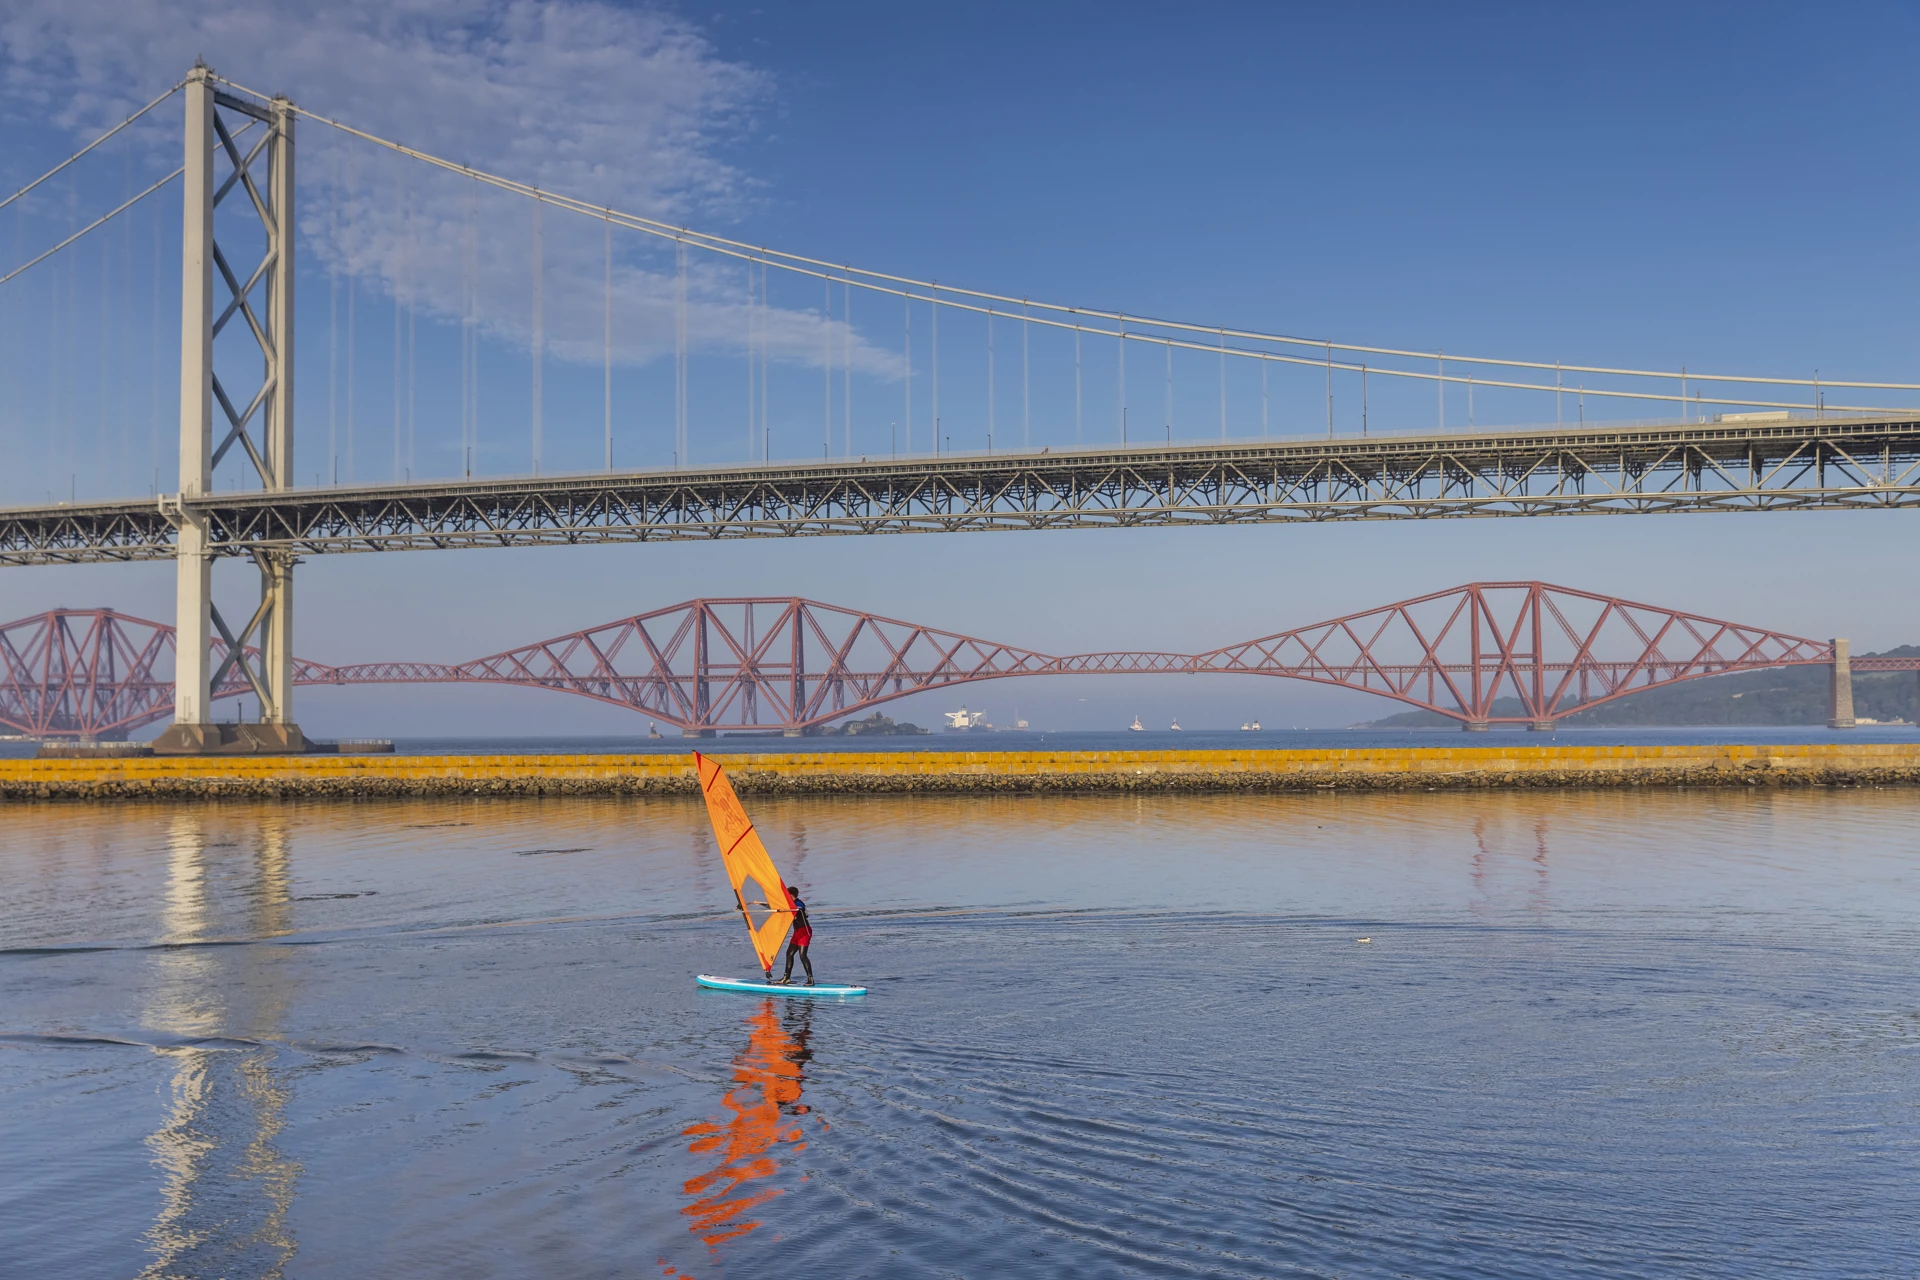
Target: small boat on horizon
(1175,726)
(1136,726)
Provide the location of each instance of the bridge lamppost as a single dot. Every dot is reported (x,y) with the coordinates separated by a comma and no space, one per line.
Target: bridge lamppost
(260,175)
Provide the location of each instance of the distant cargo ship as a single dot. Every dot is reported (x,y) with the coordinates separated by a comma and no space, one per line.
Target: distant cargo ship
(965,721)
(1136,726)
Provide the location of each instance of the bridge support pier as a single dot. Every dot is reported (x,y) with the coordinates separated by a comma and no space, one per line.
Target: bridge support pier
(1541,726)
(1474,726)
(1840,688)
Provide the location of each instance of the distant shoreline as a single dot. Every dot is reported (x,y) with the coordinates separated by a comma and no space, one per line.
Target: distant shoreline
(1452,768)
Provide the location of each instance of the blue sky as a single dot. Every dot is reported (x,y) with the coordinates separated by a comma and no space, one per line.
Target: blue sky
(1708,186)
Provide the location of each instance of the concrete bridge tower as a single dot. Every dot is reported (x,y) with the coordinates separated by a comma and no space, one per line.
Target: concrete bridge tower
(254,424)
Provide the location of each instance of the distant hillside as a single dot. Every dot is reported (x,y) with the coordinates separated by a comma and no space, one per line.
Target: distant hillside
(1790,695)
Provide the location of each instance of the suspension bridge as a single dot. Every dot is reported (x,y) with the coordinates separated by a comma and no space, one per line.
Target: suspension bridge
(795,666)
(1141,422)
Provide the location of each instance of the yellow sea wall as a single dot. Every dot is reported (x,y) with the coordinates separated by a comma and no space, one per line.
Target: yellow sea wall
(827,772)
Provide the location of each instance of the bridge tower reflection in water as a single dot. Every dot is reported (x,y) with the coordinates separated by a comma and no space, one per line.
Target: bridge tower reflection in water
(763,1116)
(226,1189)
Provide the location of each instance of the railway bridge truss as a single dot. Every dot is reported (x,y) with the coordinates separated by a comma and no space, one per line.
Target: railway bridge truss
(796,666)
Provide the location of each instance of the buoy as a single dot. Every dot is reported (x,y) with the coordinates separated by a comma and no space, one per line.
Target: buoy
(1363,939)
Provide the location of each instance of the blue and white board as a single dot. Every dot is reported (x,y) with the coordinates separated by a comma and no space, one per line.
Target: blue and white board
(777,989)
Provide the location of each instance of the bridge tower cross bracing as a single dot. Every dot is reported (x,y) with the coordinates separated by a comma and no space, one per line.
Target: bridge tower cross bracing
(260,175)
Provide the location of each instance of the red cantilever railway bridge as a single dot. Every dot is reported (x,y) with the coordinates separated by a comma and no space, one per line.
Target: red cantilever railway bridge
(792,664)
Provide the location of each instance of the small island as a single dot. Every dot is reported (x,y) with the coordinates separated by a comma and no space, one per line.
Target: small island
(875,725)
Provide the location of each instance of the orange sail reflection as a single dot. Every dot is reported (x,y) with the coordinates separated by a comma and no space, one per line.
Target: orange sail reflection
(762,1107)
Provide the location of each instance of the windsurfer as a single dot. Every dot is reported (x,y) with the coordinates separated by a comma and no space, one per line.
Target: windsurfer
(802,938)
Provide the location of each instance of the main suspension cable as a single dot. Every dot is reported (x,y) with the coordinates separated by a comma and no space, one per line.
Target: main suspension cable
(91,145)
(921,290)
(93,226)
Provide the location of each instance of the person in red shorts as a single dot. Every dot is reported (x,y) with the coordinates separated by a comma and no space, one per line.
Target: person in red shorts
(801,939)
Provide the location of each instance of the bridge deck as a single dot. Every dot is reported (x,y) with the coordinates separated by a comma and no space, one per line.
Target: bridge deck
(1793,465)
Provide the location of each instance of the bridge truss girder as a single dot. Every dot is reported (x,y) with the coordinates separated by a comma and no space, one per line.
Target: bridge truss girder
(1798,465)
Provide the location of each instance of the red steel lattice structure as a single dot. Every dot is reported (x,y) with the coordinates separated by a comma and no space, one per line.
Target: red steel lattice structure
(792,664)
(95,673)
(1556,650)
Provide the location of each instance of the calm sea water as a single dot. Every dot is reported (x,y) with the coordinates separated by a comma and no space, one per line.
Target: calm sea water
(1667,1033)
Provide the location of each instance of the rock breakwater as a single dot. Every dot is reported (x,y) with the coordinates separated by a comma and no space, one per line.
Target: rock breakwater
(982,772)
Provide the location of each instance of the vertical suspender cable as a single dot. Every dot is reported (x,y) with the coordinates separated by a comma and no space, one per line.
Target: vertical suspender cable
(411,311)
(123,313)
(753,372)
(1026,395)
(103,352)
(1169,414)
(399,370)
(1076,382)
(1329,390)
(353,291)
(10,356)
(128,330)
(906,306)
(333,322)
(539,325)
(1263,399)
(399,336)
(1223,384)
(471,340)
(413,333)
(121,411)
(51,366)
(846,347)
(1120,388)
(606,333)
(1440,389)
(157,409)
(680,442)
(826,367)
(934,307)
(989,379)
(766,413)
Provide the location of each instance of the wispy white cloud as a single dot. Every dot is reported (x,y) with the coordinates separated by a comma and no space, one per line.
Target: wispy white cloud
(624,106)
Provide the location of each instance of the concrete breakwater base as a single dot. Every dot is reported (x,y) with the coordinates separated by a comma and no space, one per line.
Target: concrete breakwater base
(961,772)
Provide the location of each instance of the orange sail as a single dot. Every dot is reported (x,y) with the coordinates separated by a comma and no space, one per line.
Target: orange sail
(758,889)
